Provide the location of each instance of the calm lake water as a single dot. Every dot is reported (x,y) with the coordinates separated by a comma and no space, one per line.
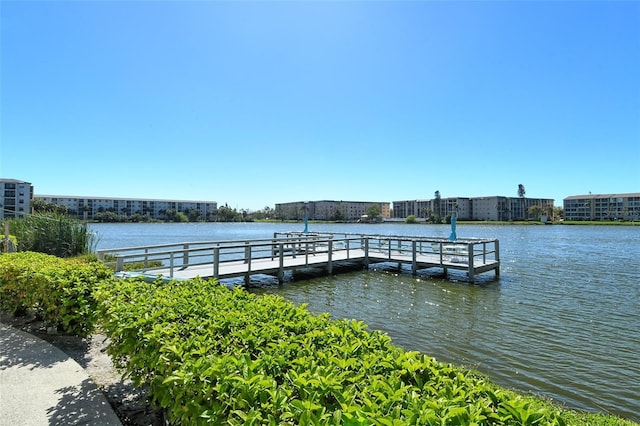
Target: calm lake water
(561,321)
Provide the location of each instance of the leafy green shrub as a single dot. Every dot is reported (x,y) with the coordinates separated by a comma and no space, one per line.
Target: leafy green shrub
(53,234)
(411,219)
(211,355)
(59,291)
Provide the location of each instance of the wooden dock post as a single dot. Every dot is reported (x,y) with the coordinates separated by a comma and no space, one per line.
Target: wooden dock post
(216,261)
(366,252)
(119,263)
(247,260)
(414,262)
(185,255)
(281,263)
(470,256)
(496,245)
(330,258)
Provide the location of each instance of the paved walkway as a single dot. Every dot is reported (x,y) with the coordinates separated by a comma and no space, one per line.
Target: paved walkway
(41,385)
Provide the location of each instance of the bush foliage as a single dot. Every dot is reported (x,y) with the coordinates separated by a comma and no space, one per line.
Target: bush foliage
(219,356)
(59,291)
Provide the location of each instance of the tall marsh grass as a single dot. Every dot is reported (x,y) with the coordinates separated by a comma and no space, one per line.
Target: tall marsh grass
(53,234)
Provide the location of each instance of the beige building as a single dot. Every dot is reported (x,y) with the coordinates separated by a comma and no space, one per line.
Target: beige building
(15,198)
(330,210)
(602,207)
(425,209)
(491,208)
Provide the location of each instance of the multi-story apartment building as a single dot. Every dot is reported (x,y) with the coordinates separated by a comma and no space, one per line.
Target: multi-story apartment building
(15,198)
(602,207)
(417,208)
(478,208)
(508,208)
(330,210)
(434,207)
(87,208)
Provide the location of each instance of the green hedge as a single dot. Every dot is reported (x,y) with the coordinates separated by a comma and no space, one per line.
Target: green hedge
(59,291)
(219,356)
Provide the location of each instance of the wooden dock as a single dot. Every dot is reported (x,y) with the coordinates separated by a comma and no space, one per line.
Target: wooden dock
(322,253)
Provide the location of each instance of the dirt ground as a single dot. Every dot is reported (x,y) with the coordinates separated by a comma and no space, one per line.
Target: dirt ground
(129,403)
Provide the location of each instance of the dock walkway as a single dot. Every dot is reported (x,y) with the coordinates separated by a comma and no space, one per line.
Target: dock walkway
(324,253)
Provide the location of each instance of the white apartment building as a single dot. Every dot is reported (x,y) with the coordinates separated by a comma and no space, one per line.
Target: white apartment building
(87,208)
(330,210)
(15,198)
(602,207)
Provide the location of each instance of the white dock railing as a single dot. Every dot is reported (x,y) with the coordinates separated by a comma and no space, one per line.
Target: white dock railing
(290,250)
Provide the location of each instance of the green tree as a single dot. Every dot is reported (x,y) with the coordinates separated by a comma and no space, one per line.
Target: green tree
(558,212)
(410,219)
(193,215)
(180,217)
(438,208)
(170,214)
(373,212)
(521,193)
(550,212)
(535,211)
(41,206)
(337,215)
(227,214)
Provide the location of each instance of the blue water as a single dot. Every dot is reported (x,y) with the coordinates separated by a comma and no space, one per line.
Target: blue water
(561,321)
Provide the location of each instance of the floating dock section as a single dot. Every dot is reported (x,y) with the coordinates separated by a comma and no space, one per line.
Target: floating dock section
(299,252)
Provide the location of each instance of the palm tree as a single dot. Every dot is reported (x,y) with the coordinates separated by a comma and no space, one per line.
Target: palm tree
(549,212)
(521,192)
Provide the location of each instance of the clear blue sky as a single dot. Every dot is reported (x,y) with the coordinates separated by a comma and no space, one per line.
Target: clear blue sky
(256,103)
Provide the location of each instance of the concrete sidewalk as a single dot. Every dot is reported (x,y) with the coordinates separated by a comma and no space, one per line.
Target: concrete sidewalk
(41,385)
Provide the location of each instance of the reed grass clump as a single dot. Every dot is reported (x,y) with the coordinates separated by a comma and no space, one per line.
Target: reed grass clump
(53,234)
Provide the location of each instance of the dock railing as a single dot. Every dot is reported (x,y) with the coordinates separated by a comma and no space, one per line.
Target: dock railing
(218,253)
(297,249)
